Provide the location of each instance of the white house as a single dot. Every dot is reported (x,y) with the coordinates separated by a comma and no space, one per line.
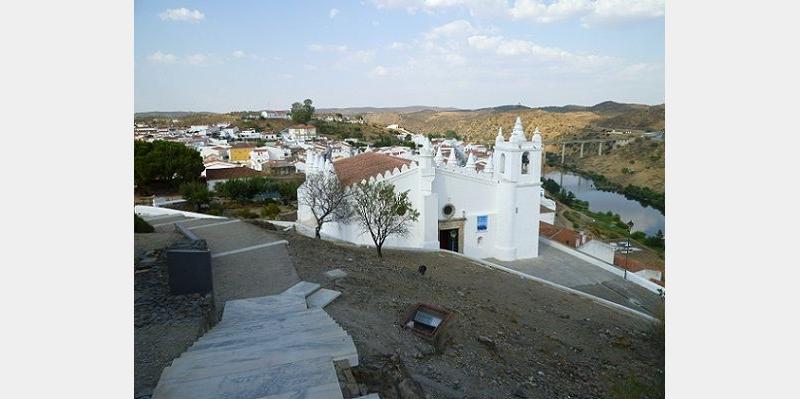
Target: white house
(302,133)
(250,134)
(489,213)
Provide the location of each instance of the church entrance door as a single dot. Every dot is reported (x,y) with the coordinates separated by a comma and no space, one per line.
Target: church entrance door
(448,239)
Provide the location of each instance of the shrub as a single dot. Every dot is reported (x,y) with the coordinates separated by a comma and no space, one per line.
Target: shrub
(270,211)
(141,226)
(245,213)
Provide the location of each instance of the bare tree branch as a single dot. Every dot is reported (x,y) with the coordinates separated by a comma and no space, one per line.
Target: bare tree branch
(382,213)
(327,198)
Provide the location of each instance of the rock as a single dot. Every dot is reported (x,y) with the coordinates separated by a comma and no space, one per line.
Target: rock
(486,341)
(521,392)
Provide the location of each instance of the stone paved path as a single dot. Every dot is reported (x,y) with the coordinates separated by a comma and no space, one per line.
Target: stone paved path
(564,269)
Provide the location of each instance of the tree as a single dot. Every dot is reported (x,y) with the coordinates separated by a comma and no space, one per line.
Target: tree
(327,199)
(302,113)
(165,162)
(195,193)
(382,213)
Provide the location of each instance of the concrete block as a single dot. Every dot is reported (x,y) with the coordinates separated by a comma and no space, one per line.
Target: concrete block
(322,297)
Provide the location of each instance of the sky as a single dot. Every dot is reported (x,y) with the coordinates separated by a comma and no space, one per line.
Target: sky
(223,56)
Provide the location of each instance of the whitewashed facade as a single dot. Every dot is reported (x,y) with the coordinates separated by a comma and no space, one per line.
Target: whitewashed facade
(493,213)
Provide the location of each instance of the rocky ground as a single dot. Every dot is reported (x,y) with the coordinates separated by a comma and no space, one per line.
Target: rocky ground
(164,325)
(508,337)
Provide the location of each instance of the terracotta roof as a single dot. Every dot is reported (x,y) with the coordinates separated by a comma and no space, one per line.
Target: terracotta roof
(354,169)
(230,173)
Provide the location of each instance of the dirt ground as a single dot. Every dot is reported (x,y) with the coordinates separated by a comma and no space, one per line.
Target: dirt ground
(164,325)
(508,337)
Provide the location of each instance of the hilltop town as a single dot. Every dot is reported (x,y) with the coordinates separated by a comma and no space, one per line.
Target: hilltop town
(258,197)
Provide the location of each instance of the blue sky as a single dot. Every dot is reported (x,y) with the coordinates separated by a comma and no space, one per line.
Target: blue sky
(225,56)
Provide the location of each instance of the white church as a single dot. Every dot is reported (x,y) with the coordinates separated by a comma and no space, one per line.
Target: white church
(491,213)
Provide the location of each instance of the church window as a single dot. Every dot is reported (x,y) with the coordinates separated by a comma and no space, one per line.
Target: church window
(525,163)
(502,163)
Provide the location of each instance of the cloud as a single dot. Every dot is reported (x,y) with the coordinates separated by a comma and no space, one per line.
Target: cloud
(589,12)
(456,28)
(340,48)
(482,42)
(182,14)
(381,71)
(239,54)
(333,12)
(620,11)
(196,59)
(162,58)
(535,52)
(544,13)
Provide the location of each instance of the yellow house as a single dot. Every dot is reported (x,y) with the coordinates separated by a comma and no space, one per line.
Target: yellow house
(241,152)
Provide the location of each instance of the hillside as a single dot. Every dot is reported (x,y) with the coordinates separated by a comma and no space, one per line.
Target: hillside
(640,163)
(350,111)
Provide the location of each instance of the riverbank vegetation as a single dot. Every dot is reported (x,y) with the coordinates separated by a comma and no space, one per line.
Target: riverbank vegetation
(642,195)
(607,224)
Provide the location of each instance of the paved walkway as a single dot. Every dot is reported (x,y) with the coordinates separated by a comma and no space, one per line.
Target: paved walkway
(274,340)
(562,268)
(246,260)
(272,347)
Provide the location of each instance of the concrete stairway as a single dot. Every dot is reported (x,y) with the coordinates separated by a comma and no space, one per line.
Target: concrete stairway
(271,347)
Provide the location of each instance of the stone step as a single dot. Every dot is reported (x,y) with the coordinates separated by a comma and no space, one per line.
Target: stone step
(266,318)
(174,374)
(322,297)
(253,384)
(320,392)
(270,300)
(168,221)
(339,348)
(309,333)
(323,338)
(244,360)
(245,311)
(192,223)
(281,323)
(275,330)
(369,396)
(303,288)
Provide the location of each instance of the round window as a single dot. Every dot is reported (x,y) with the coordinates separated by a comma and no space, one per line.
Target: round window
(448,210)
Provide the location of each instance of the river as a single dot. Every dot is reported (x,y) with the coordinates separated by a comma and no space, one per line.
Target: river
(645,218)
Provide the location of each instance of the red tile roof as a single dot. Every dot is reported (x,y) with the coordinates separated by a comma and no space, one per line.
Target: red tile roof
(354,169)
(230,173)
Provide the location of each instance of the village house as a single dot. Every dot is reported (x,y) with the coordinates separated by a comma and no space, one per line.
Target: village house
(217,176)
(302,133)
(240,152)
(494,212)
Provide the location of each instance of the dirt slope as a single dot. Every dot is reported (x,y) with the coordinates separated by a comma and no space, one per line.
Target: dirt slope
(510,337)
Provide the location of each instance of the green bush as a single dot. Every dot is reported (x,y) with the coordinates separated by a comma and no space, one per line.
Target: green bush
(141,226)
(245,213)
(270,211)
(195,193)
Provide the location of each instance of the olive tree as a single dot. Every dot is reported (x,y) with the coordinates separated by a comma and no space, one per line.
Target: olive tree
(382,213)
(327,199)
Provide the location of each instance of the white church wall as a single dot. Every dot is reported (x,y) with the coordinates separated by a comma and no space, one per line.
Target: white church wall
(599,250)
(471,197)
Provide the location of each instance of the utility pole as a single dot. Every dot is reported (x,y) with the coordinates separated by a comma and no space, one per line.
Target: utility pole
(628,247)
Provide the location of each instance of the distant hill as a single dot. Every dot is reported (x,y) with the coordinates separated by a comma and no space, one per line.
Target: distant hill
(605,108)
(372,110)
(168,114)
